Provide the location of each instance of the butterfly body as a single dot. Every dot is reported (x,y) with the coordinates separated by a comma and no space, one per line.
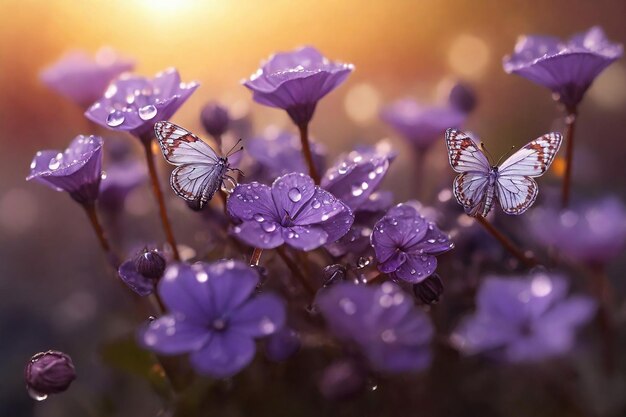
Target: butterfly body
(199,171)
(480,184)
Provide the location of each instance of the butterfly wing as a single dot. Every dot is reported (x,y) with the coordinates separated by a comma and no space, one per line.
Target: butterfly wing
(516,189)
(179,146)
(470,190)
(197,183)
(464,154)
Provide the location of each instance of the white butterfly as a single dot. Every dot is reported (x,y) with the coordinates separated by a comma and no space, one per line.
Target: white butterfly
(199,171)
(511,184)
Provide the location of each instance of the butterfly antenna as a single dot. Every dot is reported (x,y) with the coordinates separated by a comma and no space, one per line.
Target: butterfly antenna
(506,154)
(484,148)
(233,151)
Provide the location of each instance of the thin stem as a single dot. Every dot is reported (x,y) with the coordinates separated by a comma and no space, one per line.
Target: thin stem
(92,214)
(256,257)
(529,261)
(306,150)
(295,270)
(158,194)
(570,124)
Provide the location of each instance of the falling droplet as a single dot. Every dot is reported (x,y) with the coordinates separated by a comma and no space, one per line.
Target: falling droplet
(294,195)
(147,112)
(115,118)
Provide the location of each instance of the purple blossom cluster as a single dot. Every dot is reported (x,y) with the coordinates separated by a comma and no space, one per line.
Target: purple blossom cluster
(337,246)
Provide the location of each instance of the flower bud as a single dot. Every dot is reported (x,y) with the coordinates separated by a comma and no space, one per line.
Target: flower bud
(215,119)
(429,290)
(282,344)
(462,98)
(150,264)
(49,372)
(334,273)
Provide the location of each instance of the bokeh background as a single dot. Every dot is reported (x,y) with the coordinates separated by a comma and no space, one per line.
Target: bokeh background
(55,290)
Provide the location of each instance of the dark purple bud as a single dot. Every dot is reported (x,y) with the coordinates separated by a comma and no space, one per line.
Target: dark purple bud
(282,344)
(463,98)
(215,119)
(341,380)
(334,273)
(150,264)
(429,290)
(47,373)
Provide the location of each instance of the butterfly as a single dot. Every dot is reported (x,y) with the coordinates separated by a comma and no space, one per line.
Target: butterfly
(199,171)
(480,183)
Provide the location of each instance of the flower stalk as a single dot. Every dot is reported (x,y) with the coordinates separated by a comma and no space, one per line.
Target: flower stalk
(146,142)
(256,257)
(570,124)
(306,151)
(92,214)
(527,260)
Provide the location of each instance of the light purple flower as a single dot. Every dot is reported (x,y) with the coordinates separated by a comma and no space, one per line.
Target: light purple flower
(421,125)
(406,244)
(280,152)
(594,232)
(523,318)
(77,170)
(84,79)
(133,103)
(392,333)
(48,373)
(567,68)
(295,81)
(215,120)
(293,210)
(213,316)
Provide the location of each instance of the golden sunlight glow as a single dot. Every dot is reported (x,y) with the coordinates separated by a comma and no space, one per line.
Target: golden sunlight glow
(362,103)
(609,90)
(468,56)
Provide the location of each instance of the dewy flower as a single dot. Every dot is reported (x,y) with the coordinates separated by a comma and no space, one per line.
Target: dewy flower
(392,333)
(213,315)
(295,81)
(84,79)
(406,244)
(420,125)
(48,373)
(280,152)
(354,179)
(293,210)
(523,318)
(566,67)
(77,170)
(141,273)
(594,232)
(133,103)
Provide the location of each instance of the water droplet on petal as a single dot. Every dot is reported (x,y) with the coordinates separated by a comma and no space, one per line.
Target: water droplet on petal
(147,112)
(259,218)
(37,396)
(115,118)
(294,195)
(268,227)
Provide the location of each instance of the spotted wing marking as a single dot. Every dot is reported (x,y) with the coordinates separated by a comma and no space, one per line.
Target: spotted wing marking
(464,154)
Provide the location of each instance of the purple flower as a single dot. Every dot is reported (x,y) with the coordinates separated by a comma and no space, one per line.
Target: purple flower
(141,273)
(406,244)
(280,152)
(594,232)
(567,68)
(77,170)
(420,125)
(523,319)
(293,211)
(463,98)
(133,103)
(47,373)
(295,81)
(382,321)
(354,179)
(282,344)
(215,120)
(119,180)
(213,315)
(82,78)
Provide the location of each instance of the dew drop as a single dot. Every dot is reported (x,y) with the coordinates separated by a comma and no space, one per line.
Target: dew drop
(115,118)
(294,195)
(37,396)
(147,112)
(268,227)
(316,204)
(55,162)
(259,218)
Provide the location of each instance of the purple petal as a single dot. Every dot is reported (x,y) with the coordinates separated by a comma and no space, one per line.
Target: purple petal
(417,268)
(483,332)
(305,237)
(224,355)
(252,202)
(184,290)
(319,208)
(171,336)
(264,235)
(231,283)
(259,317)
(338,225)
(133,279)
(291,193)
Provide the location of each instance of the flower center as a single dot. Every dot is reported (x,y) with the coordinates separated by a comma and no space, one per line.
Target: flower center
(219,324)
